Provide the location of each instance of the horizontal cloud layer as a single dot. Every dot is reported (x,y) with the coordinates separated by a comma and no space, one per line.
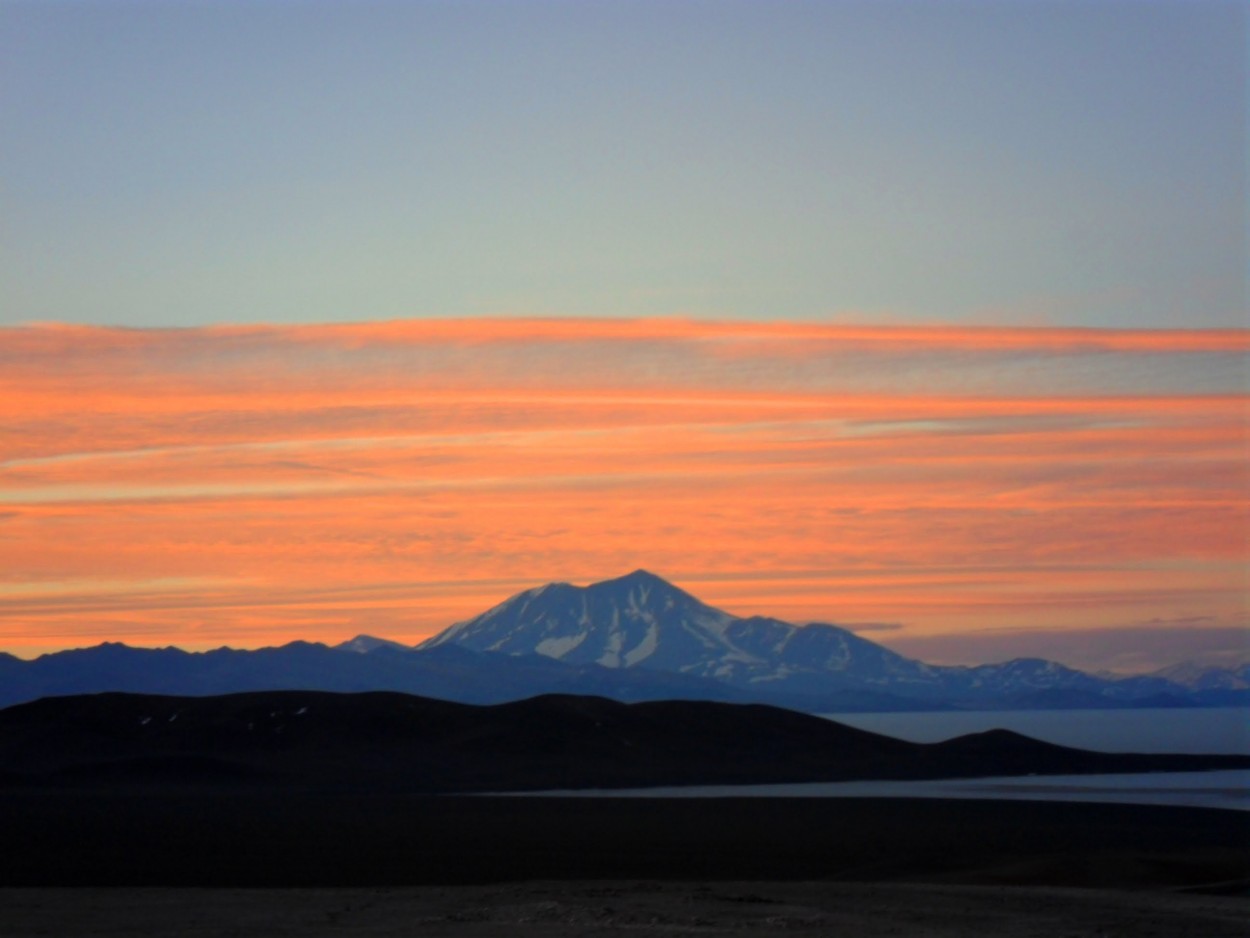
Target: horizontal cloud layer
(255,484)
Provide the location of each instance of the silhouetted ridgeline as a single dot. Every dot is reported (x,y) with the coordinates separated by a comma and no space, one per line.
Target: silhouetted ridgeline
(307,740)
(633,638)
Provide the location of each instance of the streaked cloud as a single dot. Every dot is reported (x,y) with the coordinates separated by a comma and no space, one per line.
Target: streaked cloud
(313,481)
(1125,648)
(872,626)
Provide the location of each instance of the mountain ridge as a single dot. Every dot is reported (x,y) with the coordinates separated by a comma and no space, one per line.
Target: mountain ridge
(389,742)
(632,638)
(642,622)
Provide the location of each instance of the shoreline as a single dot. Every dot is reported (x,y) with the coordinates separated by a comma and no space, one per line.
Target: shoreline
(1227,789)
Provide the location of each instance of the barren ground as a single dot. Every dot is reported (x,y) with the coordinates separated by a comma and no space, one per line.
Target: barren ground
(99,864)
(618,908)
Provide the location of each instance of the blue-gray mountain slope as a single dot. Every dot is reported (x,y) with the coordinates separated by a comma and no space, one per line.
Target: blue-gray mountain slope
(642,622)
(631,639)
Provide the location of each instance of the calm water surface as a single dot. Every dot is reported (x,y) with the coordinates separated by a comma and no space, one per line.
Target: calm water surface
(1224,789)
(1216,730)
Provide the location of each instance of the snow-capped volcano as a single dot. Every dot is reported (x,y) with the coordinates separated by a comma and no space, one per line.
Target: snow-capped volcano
(633,638)
(632,620)
(641,620)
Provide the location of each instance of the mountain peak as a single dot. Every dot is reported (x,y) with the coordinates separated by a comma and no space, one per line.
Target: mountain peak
(630,620)
(366,643)
(640,576)
(646,588)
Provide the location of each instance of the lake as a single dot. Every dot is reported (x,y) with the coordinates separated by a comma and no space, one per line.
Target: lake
(1229,789)
(1189,730)
(1207,730)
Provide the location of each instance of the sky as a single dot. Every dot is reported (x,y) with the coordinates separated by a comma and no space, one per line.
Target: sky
(928,319)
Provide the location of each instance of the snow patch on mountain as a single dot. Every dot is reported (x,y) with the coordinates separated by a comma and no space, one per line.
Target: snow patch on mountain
(645,648)
(559,647)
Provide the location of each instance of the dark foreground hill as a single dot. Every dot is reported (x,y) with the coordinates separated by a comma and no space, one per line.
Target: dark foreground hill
(317,789)
(388,742)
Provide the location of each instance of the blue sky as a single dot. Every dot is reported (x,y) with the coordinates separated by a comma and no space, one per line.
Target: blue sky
(1002,163)
(766,270)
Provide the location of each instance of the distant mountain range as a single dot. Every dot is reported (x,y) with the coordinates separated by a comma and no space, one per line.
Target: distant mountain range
(385,742)
(634,638)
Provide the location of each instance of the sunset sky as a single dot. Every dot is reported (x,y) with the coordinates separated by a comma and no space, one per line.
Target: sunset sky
(927,319)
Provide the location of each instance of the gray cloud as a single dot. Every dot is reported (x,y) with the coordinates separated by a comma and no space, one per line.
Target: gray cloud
(1136,648)
(872,626)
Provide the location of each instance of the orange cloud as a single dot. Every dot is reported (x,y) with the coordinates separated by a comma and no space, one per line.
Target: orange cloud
(256,484)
